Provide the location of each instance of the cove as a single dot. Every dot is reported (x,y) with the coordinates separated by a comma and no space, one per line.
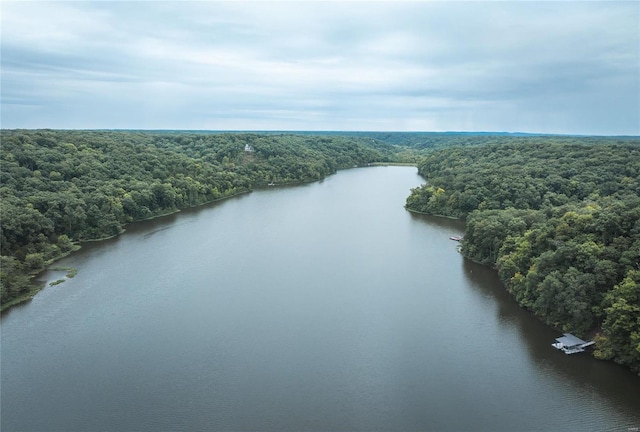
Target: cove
(324,306)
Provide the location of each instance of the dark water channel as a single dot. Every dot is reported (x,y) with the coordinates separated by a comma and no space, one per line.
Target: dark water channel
(319,307)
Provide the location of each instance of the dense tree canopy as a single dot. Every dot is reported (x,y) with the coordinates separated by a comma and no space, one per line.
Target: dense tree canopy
(559,217)
(561,223)
(62,187)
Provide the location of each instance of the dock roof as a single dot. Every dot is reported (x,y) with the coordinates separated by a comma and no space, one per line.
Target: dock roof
(570,340)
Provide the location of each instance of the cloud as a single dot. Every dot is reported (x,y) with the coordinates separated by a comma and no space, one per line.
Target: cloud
(565,67)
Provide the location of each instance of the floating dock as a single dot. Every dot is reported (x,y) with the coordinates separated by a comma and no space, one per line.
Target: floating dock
(569,344)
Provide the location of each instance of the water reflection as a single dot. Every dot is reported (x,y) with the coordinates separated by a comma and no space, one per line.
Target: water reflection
(610,383)
(456,225)
(319,307)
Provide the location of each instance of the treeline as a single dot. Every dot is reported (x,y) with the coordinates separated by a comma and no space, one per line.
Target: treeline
(440,140)
(560,222)
(58,188)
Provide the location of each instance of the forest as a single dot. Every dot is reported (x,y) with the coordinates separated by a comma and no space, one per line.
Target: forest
(557,216)
(561,224)
(60,188)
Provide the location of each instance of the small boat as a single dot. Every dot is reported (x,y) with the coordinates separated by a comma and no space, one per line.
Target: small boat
(455,238)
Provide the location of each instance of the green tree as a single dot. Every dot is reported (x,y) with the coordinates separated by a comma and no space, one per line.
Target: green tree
(620,339)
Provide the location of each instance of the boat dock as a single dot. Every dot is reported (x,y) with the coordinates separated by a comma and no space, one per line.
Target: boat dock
(570,344)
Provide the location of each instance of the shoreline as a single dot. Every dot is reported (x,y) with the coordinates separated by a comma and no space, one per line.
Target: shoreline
(36,288)
(592,334)
(28,296)
(433,214)
(408,164)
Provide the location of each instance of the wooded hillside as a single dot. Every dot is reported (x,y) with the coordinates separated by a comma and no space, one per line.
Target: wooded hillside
(559,217)
(560,222)
(62,187)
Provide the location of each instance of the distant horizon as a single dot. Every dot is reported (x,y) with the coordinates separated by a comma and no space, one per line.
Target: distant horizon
(323,131)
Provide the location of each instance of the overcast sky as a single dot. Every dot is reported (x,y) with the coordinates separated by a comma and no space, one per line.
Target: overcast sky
(543,66)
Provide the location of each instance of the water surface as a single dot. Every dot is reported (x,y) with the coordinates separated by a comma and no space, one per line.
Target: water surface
(320,307)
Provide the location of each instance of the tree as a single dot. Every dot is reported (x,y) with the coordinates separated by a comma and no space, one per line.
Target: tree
(620,339)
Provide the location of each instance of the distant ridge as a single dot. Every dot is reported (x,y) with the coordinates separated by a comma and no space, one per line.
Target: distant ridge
(364,133)
(383,133)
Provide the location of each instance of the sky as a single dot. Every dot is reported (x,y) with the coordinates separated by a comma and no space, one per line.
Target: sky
(560,67)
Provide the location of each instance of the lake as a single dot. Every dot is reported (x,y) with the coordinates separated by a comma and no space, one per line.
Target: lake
(325,306)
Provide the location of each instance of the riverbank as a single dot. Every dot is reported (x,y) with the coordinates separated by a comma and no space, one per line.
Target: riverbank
(233,302)
(593,334)
(407,164)
(431,214)
(138,174)
(37,287)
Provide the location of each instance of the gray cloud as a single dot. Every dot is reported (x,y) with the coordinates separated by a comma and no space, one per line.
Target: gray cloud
(557,67)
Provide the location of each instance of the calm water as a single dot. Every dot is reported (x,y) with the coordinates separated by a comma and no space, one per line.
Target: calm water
(319,307)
